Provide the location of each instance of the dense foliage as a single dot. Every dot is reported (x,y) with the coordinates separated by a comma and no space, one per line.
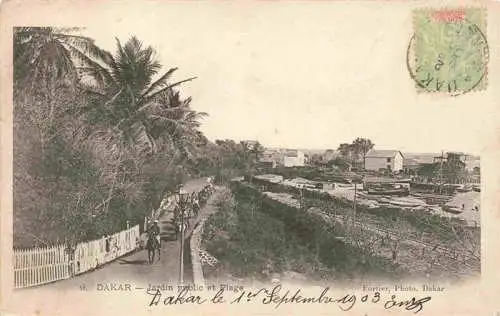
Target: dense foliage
(100,136)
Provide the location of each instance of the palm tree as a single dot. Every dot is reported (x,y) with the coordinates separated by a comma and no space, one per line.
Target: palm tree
(44,58)
(128,100)
(44,69)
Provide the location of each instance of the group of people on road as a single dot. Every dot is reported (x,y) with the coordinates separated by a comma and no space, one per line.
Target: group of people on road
(185,208)
(190,206)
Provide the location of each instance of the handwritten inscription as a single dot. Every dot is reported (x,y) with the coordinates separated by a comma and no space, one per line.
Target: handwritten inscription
(278,296)
(182,297)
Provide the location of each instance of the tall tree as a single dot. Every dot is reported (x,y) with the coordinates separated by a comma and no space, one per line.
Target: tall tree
(257,149)
(129,100)
(246,148)
(345,150)
(349,152)
(362,146)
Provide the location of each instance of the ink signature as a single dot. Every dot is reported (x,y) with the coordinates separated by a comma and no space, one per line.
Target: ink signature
(278,296)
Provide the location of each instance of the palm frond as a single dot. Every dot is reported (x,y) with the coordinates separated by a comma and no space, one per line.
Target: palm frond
(154,95)
(87,46)
(99,73)
(115,96)
(161,82)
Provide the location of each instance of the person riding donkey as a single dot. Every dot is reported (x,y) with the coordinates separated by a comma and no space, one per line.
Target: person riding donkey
(154,232)
(153,242)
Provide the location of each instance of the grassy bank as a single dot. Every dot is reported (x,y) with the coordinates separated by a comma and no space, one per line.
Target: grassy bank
(256,238)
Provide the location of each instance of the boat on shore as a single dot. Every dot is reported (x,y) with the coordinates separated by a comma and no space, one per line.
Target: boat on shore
(464,189)
(451,209)
(399,192)
(432,199)
(432,196)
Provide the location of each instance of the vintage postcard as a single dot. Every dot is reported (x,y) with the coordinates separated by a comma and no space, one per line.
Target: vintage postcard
(250,158)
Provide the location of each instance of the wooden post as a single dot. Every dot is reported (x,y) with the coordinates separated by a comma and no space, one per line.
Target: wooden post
(355,193)
(441,174)
(182,203)
(301,197)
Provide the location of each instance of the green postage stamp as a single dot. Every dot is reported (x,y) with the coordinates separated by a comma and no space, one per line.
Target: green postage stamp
(449,50)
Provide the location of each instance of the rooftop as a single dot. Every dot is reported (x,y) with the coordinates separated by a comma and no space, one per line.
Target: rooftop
(410,162)
(382,153)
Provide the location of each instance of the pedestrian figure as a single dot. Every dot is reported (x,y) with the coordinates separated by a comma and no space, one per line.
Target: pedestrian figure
(107,246)
(70,250)
(196,206)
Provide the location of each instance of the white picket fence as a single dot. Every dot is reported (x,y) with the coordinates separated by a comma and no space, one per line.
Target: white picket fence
(39,266)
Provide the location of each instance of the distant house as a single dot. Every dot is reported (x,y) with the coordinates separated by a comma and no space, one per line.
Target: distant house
(293,158)
(391,160)
(282,157)
(271,158)
(267,164)
(411,166)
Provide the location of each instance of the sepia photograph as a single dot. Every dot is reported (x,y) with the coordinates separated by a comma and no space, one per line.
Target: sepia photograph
(171,155)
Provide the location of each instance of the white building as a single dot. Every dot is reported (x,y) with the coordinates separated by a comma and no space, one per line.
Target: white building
(294,158)
(391,160)
(272,158)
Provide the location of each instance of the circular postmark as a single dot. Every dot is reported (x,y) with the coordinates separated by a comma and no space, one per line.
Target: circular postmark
(453,61)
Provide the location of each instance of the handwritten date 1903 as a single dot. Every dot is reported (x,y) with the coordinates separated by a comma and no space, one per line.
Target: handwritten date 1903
(276,297)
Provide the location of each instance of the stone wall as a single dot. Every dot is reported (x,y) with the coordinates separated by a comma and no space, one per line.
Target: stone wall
(195,243)
(195,239)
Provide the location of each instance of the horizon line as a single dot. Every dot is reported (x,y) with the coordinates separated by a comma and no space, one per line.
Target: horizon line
(325,148)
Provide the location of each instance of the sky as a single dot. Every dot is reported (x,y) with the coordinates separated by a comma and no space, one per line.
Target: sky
(303,76)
